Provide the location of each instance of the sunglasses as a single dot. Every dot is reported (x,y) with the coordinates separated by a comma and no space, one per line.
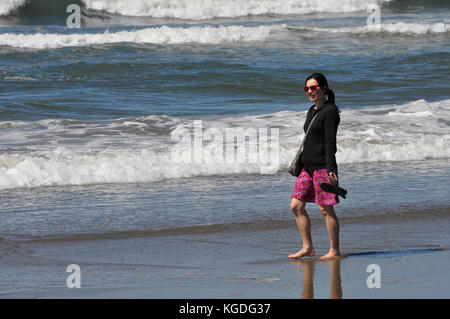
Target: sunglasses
(312,88)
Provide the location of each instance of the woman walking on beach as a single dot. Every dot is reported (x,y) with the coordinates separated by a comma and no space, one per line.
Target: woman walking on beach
(319,160)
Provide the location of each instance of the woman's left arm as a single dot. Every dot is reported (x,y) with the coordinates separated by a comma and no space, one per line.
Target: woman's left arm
(331,122)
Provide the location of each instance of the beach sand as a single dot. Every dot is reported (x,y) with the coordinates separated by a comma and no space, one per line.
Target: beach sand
(239,264)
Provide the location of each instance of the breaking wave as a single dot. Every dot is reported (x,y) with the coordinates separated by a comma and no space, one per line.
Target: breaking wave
(391,28)
(155,35)
(188,9)
(408,132)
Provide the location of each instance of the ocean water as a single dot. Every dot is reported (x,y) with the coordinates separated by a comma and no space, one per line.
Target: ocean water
(106,131)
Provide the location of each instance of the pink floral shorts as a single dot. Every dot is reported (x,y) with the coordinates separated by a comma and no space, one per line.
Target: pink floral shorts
(308,189)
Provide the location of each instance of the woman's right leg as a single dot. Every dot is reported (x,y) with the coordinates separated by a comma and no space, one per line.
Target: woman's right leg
(304,226)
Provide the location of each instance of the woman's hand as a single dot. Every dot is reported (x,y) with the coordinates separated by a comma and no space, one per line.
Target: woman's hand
(334,176)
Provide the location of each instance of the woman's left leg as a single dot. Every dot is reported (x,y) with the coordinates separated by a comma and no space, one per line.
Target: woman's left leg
(333,230)
(326,201)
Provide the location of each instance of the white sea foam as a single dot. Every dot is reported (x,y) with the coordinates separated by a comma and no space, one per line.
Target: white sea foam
(157,35)
(6,6)
(199,34)
(68,152)
(208,9)
(393,28)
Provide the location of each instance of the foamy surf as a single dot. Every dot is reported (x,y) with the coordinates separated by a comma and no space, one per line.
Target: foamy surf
(7,6)
(404,28)
(413,131)
(199,34)
(208,9)
(156,35)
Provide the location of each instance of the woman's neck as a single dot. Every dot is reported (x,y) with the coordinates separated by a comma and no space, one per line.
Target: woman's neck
(318,103)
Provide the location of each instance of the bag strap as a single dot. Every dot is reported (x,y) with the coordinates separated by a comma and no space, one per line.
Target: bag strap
(307,131)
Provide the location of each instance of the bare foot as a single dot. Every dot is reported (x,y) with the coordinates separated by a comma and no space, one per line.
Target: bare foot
(331,254)
(303,252)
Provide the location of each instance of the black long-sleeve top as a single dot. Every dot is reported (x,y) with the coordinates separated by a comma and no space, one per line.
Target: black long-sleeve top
(319,148)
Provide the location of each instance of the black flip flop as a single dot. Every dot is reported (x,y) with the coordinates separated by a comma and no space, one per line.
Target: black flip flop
(334,188)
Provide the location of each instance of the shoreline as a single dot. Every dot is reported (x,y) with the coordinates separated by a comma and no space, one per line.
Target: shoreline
(237,264)
(403,214)
(227,237)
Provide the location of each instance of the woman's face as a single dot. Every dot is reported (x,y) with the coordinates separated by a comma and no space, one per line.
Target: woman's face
(314,91)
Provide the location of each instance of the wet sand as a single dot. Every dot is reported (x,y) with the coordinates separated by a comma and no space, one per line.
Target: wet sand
(412,256)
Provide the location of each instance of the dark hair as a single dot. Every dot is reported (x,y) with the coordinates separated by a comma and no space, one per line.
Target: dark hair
(323,83)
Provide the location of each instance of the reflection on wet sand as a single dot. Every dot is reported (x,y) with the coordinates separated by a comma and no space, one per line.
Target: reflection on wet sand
(308,277)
